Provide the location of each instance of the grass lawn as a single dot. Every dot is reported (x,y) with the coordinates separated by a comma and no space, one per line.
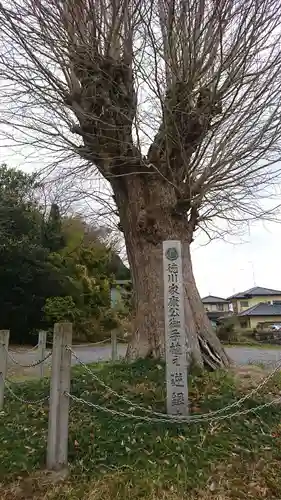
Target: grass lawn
(113,457)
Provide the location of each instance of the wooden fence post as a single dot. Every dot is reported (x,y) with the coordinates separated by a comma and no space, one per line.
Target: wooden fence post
(113,345)
(4,346)
(42,339)
(57,448)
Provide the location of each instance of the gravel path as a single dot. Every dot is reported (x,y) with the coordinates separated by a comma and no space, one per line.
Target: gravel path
(90,354)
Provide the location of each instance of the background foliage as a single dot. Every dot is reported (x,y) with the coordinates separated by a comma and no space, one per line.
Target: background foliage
(52,268)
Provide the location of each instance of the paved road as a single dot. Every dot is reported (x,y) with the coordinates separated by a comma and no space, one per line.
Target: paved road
(240,355)
(252,355)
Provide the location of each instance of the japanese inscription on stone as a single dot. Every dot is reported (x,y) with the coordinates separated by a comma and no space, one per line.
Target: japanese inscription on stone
(176,359)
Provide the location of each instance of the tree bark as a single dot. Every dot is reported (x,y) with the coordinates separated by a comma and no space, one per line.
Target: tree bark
(147,219)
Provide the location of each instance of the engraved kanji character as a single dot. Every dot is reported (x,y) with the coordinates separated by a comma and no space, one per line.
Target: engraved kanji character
(173,268)
(177,379)
(173,301)
(174,289)
(174,333)
(176,361)
(172,278)
(175,348)
(177,398)
(174,313)
(174,323)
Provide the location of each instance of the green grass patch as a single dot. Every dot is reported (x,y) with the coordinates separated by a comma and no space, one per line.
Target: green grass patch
(116,457)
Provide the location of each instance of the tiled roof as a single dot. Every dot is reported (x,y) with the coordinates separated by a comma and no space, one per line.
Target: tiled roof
(262,309)
(211,299)
(256,291)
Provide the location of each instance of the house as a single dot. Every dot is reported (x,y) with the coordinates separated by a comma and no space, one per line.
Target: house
(215,304)
(263,313)
(254,296)
(216,307)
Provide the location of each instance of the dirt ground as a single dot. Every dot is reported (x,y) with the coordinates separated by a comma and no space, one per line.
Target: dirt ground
(19,369)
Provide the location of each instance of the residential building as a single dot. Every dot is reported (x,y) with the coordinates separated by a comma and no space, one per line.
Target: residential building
(215,304)
(245,300)
(260,313)
(216,307)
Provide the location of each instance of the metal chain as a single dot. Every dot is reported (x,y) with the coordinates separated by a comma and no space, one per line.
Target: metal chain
(31,365)
(25,401)
(179,418)
(89,345)
(33,348)
(25,352)
(170,420)
(101,341)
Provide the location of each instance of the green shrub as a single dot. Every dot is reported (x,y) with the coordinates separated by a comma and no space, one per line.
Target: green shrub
(60,309)
(226,331)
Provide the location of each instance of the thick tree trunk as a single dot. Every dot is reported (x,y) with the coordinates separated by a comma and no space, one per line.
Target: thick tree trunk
(147,220)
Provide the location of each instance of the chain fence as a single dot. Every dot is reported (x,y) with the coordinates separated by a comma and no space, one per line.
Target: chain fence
(25,351)
(6,356)
(8,385)
(104,341)
(61,395)
(153,416)
(172,420)
(31,365)
(179,418)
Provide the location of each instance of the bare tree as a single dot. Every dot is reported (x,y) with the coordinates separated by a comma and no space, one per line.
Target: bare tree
(175,102)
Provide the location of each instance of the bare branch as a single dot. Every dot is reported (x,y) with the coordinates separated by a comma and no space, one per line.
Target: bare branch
(99,78)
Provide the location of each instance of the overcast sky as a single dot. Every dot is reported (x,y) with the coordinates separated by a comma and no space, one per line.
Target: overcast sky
(223,269)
